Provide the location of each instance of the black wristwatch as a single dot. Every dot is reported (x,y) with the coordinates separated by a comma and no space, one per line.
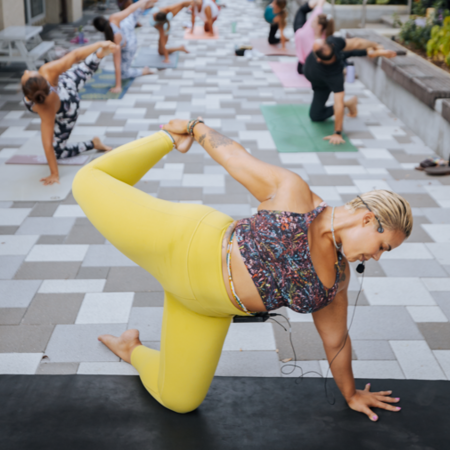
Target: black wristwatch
(338,132)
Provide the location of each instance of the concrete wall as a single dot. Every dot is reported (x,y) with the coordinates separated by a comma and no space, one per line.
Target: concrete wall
(12,12)
(74,10)
(52,11)
(427,123)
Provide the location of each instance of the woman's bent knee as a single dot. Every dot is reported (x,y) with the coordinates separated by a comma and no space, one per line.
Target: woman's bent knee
(181,406)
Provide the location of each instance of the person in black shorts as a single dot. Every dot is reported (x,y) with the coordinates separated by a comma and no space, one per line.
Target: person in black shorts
(324,68)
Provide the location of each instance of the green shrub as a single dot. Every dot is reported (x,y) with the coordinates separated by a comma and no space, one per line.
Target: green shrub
(371,2)
(438,47)
(417,36)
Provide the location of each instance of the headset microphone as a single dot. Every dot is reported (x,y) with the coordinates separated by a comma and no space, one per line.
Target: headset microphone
(360,267)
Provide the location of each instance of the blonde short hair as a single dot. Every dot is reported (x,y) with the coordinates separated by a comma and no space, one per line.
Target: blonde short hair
(393,211)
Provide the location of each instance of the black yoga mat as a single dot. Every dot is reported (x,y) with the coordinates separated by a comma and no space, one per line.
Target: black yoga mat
(83,412)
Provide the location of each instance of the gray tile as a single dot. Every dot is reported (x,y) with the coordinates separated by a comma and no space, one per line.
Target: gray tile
(148,321)
(46,225)
(23,204)
(76,343)
(226,198)
(373,268)
(330,180)
(50,309)
(47,270)
(307,342)
(83,232)
(106,255)
(9,266)
(24,338)
(180,193)
(51,240)
(436,334)
(143,299)
(8,230)
(412,268)
(437,215)
(362,300)
(42,209)
(57,368)
(443,300)
(372,350)
(420,200)
(131,279)
(11,316)
(92,273)
(248,364)
(383,323)
(17,294)
(418,234)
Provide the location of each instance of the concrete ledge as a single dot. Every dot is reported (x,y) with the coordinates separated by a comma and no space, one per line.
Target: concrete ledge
(446,110)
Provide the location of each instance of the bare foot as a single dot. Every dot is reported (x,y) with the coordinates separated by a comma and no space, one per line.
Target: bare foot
(122,346)
(184,49)
(106,49)
(147,71)
(99,145)
(352,106)
(183,142)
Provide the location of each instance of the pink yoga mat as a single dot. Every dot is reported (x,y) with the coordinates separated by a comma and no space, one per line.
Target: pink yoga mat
(199,33)
(288,75)
(273,50)
(42,160)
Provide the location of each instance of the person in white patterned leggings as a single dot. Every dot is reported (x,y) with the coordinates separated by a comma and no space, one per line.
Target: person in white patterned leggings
(120,30)
(52,92)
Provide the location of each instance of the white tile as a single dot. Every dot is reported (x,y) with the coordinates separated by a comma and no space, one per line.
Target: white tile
(13,216)
(252,336)
(105,307)
(202,180)
(437,232)
(71,286)
(88,131)
(8,152)
(327,193)
(438,192)
(16,245)
(297,317)
(148,321)
(396,291)
(131,112)
(19,363)
(444,203)
(306,369)
(106,368)
(12,115)
(263,139)
(88,118)
(18,132)
(417,360)
(69,211)
(443,357)
(371,185)
(441,252)
(437,284)
(248,364)
(377,369)
(299,158)
(383,132)
(409,251)
(376,153)
(344,170)
(57,253)
(165,105)
(426,314)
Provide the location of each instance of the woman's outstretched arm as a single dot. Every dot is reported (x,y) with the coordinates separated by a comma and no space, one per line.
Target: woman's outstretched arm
(274,186)
(119,16)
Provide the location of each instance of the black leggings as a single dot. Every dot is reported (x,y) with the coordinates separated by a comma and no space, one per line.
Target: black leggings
(300,68)
(273,31)
(318,111)
(300,16)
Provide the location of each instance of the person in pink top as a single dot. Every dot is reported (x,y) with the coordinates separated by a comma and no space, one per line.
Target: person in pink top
(318,26)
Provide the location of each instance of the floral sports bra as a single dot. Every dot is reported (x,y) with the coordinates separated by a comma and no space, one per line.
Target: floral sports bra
(274,247)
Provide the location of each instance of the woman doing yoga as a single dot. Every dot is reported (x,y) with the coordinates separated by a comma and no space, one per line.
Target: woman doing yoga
(317,26)
(52,92)
(213,268)
(120,30)
(208,11)
(160,19)
(276,15)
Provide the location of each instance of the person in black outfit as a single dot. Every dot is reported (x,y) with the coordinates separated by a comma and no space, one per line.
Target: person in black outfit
(324,69)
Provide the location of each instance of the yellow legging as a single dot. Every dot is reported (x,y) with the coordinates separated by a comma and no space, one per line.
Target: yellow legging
(180,245)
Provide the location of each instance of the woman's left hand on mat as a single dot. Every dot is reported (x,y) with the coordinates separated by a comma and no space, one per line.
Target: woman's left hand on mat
(362,401)
(335,139)
(116,90)
(53,178)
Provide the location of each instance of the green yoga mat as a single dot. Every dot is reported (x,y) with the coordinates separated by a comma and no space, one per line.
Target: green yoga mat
(97,88)
(293,131)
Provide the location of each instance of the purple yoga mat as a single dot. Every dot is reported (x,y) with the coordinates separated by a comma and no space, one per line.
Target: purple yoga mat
(288,75)
(78,160)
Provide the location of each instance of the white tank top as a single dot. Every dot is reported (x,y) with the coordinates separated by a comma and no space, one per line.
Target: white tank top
(214,10)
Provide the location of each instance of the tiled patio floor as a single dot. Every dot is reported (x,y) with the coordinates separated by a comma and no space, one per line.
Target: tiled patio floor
(61,284)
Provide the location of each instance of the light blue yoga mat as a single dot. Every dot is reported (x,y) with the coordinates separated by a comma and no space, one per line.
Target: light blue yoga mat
(149,57)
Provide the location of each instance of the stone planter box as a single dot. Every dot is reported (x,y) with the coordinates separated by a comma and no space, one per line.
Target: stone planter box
(350,16)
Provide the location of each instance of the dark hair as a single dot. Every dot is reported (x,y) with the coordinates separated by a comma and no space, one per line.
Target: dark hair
(326,24)
(161,18)
(123,4)
(36,89)
(103,25)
